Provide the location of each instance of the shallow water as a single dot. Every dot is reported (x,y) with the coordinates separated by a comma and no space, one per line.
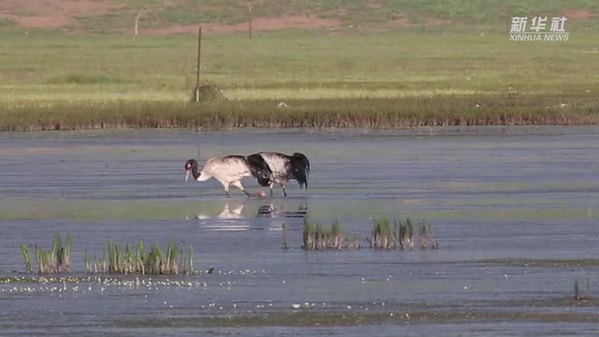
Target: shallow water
(514,210)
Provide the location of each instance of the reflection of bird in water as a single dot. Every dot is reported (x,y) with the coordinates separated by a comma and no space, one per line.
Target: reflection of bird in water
(229,220)
(230,170)
(265,211)
(269,210)
(284,168)
(226,213)
(268,216)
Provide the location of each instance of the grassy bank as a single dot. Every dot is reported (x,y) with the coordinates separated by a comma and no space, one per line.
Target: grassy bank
(376,113)
(456,67)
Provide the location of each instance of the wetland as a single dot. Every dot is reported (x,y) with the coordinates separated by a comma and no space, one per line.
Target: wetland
(514,211)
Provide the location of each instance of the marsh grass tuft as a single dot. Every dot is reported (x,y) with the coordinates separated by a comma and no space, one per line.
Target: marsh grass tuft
(55,260)
(406,234)
(26,257)
(425,236)
(119,259)
(400,235)
(316,237)
(383,236)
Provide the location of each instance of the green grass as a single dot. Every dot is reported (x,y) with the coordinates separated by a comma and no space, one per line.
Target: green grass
(372,113)
(384,236)
(401,235)
(317,237)
(55,260)
(26,257)
(4,22)
(116,259)
(293,65)
(119,259)
(461,72)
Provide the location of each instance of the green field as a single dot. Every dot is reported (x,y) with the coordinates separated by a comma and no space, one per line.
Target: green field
(460,69)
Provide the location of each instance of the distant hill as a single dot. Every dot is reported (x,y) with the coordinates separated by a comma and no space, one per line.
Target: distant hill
(183,16)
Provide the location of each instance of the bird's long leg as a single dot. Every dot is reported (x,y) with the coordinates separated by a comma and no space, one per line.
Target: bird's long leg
(239,186)
(226,186)
(284,192)
(271,187)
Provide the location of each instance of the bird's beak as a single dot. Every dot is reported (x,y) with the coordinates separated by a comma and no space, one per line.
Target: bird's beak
(186,175)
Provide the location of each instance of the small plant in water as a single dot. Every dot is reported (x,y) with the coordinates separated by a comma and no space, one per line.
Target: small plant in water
(26,257)
(316,237)
(406,234)
(55,260)
(401,235)
(425,236)
(125,260)
(383,236)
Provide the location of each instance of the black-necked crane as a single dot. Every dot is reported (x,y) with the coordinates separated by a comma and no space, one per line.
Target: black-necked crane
(283,168)
(230,170)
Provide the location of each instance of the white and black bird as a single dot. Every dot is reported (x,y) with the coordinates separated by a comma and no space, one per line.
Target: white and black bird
(283,168)
(230,170)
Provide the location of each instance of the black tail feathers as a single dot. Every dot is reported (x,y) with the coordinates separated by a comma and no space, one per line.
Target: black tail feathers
(300,169)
